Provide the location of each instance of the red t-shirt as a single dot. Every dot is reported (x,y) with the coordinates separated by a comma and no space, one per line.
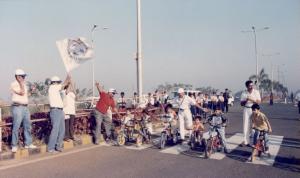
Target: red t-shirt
(105,102)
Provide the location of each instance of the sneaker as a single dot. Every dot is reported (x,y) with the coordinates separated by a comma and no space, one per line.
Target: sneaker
(31,146)
(14,149)
(52,151)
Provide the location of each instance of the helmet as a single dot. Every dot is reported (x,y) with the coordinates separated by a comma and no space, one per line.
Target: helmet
(55,79)
(20,72)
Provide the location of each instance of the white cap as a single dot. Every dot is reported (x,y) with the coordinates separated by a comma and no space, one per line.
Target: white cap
(180,90)
(111,90)
(55,79)
(20,72)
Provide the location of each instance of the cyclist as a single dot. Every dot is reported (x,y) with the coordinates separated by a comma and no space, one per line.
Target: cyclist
(218,119)
(260,122)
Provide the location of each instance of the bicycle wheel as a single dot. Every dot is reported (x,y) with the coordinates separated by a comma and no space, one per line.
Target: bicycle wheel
(121,139)
(209,148)
(193,142)
(139,140)
(163,139)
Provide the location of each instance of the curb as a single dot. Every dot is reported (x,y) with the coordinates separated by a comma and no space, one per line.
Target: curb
(25,153)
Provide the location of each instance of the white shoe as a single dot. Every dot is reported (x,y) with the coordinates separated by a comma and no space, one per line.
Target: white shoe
(14,149)
(31,146)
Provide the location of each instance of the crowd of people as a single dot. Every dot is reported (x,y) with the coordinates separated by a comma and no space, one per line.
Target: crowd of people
(190,106)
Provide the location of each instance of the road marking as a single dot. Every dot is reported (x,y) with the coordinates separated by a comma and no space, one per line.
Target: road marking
(232,143)
(275,143)
(142,147)
(176,150)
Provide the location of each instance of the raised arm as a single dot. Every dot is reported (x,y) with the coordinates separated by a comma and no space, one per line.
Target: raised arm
(99,87)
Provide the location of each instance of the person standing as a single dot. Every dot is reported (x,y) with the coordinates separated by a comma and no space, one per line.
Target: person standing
(184,114)
(221,101)
(122,101)
(69,110)
(271,98)
(226,98)
(297,98)
(103,112)
(20,111)
(248,98)
(57,114)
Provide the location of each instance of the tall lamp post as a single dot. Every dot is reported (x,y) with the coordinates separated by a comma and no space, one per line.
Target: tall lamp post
(93,60)
(254,30)
(272,73)
(139,52)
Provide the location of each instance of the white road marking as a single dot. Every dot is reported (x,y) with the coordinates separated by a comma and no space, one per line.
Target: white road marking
(176,150)
(232,143)
(275,143)
(142,147)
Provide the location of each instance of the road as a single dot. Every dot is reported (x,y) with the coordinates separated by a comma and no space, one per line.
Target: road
(175,161)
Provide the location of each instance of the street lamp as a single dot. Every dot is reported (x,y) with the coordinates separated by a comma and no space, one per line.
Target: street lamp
(270,57)
(254,30)
(139,52)
(93,60)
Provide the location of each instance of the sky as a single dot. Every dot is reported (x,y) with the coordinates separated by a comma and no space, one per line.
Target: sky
(198,42)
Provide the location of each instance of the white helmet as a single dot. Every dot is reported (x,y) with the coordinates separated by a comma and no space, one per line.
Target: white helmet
(180,90)
(20,72)
(55,79)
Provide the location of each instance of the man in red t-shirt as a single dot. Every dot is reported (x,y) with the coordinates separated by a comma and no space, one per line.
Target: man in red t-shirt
(103,112)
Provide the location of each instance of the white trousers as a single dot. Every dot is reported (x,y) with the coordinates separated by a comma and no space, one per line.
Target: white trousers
(246,124)
(185,122)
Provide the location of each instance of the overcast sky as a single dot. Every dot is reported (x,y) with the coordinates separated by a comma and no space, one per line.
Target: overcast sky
(189,41)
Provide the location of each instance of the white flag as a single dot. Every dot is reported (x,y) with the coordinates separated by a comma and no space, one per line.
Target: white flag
(74,52)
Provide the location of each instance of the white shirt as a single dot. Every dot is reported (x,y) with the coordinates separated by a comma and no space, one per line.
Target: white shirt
(185,102)
(297,97)
(69,103)
(55,99)
(255,95)
(15,87)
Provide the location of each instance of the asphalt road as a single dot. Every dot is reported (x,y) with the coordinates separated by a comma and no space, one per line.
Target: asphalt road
(113,161)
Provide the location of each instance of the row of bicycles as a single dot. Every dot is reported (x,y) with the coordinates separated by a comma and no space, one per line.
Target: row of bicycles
(137,129)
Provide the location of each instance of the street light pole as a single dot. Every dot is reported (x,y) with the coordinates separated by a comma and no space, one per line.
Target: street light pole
(139,52)
(254,30)
(93,60)
(272,71)
(256,57)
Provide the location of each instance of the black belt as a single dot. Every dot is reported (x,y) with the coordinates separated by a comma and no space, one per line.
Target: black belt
(56,108)
(18,104)
(247,106)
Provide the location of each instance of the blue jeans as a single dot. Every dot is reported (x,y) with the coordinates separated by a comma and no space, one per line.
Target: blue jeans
(256,137)
(21,114)
(107,125)
(58,129)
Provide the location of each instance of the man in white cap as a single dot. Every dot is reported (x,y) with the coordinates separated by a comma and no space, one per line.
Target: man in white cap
(20,111)
(57,115)
(103,112)
(185,116)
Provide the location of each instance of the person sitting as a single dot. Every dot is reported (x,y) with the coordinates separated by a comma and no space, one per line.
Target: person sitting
(198,126)
(218,121)
(260,122)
